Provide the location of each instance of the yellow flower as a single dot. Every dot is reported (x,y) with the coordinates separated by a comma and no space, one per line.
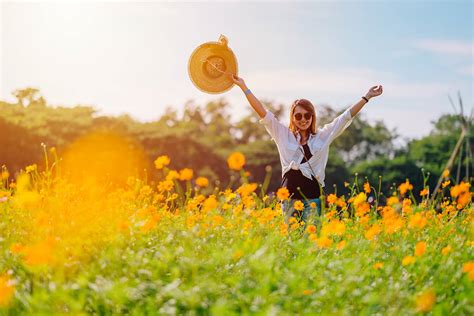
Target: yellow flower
(161,162)
(172,174)
(31,168)
(404,187)
(359,199)
(367,187)
(308,292)
(283,194)
(346,184)
(420,248)
(408,260)
(323,242)
(237,255)
(424,192)
(165,185)
(446,250)
(445,173)
(185,174)
(7,289)
(298,205)
(378,265)
(5,175)
(246,189)
(202,182)
(312,205)
(334,227)
(236,161)
(425,301)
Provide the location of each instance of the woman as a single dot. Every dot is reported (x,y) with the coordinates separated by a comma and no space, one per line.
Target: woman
(303,147)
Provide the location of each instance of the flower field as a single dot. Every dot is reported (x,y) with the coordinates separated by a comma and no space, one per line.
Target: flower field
(178,245)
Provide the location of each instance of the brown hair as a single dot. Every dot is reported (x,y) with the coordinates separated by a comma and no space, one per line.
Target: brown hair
(308,106)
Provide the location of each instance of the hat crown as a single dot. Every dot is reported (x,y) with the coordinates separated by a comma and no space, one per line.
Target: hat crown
(210,65)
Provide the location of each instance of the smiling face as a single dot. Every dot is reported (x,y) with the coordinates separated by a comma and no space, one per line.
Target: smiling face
(302,116)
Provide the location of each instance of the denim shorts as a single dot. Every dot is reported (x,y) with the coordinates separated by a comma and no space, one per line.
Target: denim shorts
(307,214)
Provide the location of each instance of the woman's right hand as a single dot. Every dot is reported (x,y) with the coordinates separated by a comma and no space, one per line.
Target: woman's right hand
(238,81)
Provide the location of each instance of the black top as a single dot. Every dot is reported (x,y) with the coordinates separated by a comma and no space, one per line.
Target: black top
(293,179)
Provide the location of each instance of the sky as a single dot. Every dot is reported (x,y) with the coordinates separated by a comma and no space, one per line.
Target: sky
(131,57)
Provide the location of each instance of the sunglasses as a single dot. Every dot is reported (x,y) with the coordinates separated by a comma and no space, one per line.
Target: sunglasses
(299,116)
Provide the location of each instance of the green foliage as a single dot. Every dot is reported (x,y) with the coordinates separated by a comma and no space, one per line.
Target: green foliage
(204,135)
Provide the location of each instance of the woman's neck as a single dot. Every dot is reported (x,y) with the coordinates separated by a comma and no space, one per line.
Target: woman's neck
(304,136)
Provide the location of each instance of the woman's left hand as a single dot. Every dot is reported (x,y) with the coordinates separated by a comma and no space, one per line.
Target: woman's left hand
(374,91)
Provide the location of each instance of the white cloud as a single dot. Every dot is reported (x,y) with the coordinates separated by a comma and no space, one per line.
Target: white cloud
(449,47)
(466,70)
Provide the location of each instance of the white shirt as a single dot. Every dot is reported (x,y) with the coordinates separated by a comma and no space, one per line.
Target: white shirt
(292,153)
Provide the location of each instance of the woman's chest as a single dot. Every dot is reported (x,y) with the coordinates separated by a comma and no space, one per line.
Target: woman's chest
(314,146)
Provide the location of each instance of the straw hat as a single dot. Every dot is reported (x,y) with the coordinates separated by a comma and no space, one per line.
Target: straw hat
(210,64)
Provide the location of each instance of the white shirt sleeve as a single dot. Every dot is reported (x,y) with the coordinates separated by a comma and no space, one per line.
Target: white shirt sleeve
(335,128)
(276,129)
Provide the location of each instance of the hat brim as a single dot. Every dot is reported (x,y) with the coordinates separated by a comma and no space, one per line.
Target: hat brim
(202,74)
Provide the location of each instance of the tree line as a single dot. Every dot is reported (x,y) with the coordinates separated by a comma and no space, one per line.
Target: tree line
(203,136)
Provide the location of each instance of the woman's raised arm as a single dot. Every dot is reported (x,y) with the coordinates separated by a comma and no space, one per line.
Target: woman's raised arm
(254,102)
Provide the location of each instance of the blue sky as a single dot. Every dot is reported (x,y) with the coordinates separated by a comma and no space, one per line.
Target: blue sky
(130,57)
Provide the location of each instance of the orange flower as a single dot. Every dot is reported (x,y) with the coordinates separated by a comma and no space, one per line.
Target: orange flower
(424,192)
(7,289)
(468,267)
(359,199)
(372,232)
(161,162)
(165,185)
(236,161)
(420,248)
(367,187)
(404,187)
(298,205)
(417,221)
(378,265)
(392,200)
(341,244)
(210,203)
(323,242)
(311,229)
(283,194)
(332,198)
(425,301)
(202,182)
(185,174)
(445,173)
(172,174)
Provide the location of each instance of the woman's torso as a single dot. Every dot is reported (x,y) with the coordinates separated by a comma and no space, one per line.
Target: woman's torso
(294,179)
